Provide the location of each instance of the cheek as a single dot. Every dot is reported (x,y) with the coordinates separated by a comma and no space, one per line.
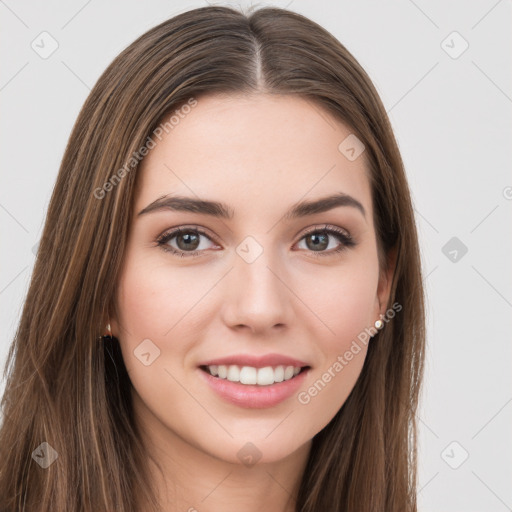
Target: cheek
(153,301)
(139,303)
(153,298)
(343,300)
(164,305)
(352,310)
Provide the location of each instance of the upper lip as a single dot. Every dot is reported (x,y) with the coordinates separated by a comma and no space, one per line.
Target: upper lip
(256,361)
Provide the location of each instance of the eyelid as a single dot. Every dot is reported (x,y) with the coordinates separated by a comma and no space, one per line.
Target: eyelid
(343,235)
(183,228)
(326,227)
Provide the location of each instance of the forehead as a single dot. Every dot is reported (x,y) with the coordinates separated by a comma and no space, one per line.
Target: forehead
(254,152)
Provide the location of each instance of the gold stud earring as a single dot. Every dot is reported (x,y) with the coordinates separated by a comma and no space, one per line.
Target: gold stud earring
(379,324)
(109,332)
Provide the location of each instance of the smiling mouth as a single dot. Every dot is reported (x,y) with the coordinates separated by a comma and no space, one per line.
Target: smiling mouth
(250,375)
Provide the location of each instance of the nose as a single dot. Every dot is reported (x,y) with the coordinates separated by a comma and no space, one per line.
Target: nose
(258,297)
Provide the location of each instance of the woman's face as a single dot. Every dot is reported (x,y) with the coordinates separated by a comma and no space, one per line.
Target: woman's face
(250,279)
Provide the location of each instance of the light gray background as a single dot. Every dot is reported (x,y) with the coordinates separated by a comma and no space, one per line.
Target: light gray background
(452,120)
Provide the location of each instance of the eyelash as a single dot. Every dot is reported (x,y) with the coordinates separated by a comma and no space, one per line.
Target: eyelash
(346,240)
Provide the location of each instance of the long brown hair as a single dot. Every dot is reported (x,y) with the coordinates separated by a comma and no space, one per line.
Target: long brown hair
(70,389)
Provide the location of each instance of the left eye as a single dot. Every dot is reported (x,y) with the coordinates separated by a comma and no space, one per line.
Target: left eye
(319,241)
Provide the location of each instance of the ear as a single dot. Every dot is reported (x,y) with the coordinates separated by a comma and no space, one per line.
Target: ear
(385,280)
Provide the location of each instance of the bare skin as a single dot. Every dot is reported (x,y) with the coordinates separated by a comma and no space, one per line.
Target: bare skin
(259,155)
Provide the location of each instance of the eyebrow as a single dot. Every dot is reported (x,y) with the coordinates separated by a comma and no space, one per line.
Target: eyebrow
(220,210)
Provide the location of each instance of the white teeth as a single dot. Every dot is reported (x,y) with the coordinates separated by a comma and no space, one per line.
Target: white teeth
(250,375)
(233,373)
(265,376)
(222,370)
(288,372)
(279,374)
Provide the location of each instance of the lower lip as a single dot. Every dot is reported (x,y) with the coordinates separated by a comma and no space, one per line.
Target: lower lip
(253,396)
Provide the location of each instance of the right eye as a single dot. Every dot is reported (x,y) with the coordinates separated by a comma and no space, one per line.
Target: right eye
(188,241)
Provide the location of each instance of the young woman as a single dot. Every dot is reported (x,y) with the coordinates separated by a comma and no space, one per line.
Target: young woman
(226,312)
